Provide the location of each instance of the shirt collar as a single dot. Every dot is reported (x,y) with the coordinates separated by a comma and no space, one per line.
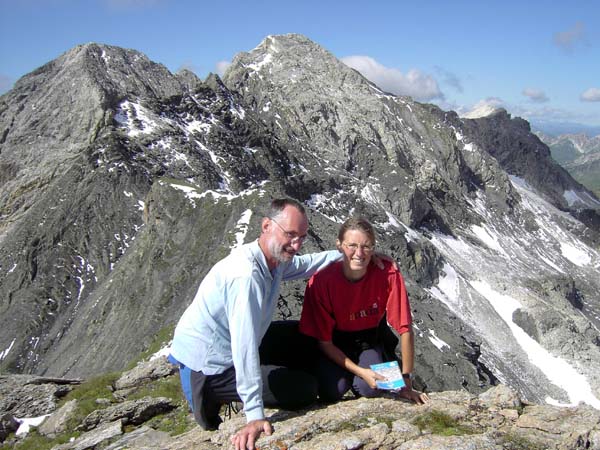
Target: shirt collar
(260,258)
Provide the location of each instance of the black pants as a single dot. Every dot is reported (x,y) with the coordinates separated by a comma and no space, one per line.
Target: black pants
(366,347)
(285,356)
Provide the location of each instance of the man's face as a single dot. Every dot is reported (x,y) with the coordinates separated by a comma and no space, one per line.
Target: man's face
(286,233)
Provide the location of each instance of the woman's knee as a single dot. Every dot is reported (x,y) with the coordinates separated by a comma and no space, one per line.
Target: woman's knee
(364,390)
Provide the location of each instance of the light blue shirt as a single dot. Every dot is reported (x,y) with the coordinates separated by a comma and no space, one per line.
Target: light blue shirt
(230,314)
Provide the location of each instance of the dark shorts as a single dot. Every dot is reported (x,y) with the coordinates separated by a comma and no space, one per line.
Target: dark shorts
(285,355)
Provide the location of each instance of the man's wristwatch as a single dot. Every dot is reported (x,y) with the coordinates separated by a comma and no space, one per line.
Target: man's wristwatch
(408,376)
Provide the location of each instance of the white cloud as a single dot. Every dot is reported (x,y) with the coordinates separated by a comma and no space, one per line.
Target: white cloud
(222,66)
(414,83)
(535,95)
(568,39)
(590,95)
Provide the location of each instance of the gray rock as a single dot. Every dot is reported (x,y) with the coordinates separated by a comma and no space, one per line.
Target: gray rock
(130,412)
(563,427)
(500,397)
(145,371)
(95,437)
(142,437)
(390,424)
(451,443)
(57,422)
(8,424)
(30,396)
(406,429)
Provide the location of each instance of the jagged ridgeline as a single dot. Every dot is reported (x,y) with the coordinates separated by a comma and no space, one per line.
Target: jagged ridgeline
(121,184)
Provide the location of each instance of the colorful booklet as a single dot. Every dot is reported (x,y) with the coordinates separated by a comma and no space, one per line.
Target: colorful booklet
(391,371)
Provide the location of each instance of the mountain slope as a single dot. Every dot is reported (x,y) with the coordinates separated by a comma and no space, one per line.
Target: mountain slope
(167,173)
(443,182)
(579,154)
(76,208)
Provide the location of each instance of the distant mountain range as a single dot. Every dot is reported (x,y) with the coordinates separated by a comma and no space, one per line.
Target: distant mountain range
(121,184)
(579,154)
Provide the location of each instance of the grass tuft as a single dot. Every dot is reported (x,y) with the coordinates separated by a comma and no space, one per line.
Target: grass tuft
(441,423)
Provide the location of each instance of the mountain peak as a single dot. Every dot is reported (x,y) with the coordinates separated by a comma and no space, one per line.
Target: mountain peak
(484,110)
(110,167)
(276,42)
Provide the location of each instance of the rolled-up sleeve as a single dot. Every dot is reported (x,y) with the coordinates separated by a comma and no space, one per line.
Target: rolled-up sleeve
(306,265)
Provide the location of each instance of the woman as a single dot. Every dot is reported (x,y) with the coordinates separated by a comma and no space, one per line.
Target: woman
(344,305)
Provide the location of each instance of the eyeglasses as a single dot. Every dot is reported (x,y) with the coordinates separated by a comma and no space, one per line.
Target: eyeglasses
(366,248)
(293,237)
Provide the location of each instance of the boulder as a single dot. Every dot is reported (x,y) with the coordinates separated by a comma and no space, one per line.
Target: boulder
(57,422)
(92,438)
(145,371)
(132,412)
(8,424)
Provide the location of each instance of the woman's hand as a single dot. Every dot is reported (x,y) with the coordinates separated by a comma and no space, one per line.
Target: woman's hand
(410,394)
(370,377)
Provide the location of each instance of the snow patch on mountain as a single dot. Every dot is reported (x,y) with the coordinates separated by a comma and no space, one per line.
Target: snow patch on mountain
(447,289)
(517,252)
(584,199)
(193,194)
(135,118)
(558,371)
(241,228)
(4,353)
(577,256)
(439,344)
(488,237)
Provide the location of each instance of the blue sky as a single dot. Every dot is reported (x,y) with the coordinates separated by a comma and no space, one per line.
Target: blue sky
(538,59)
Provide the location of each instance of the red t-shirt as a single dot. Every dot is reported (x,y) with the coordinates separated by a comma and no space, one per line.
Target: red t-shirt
(331,302)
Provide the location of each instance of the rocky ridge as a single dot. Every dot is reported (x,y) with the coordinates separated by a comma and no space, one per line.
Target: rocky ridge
(579,154)
(107,231)
(495,419)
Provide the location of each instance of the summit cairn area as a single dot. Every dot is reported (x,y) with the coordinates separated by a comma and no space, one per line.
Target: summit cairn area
(143,416)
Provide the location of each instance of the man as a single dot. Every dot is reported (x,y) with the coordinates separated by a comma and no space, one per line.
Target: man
(216,341)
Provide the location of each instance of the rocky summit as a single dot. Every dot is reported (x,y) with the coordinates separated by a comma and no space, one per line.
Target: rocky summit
(121,184)
(128,411)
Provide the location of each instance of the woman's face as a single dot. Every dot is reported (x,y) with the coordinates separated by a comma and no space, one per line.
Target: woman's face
(357,248)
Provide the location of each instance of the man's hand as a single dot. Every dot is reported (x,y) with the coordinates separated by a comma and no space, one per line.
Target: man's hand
(378,259)
(247,436)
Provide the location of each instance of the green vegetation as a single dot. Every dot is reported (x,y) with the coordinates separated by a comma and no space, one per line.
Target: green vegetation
(86,395)
(365,422)
(166,387)
(441,423)
(589,180)
(564,152)
(512,441)
(36,441)
(161,339)
(176,422)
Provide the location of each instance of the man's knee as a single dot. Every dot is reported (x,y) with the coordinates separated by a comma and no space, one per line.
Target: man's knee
(292,389)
